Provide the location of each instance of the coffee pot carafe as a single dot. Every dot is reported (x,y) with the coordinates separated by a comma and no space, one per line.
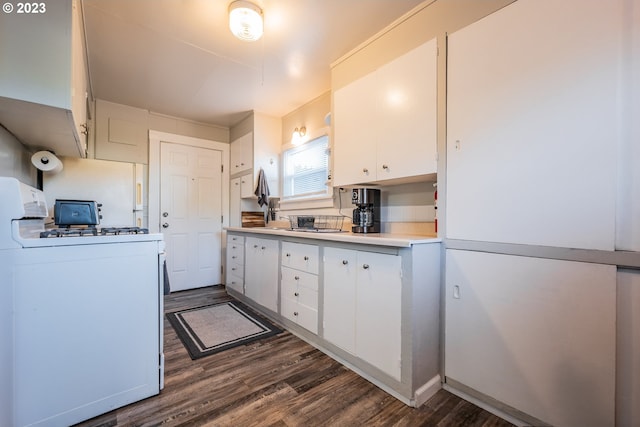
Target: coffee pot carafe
(366,215)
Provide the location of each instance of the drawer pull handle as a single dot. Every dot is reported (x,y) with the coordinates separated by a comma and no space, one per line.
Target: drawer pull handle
(345,262)
(295,294)
(365,266)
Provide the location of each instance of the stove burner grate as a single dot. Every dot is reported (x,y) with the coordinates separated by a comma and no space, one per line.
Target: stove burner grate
(114,231)
(70,232)
(92,231)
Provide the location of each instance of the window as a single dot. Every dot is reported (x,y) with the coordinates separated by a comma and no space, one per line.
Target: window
(306,170)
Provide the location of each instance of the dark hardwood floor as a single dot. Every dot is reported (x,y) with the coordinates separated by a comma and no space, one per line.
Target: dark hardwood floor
(279,381)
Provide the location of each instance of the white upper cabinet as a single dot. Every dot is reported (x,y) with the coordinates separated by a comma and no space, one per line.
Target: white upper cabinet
(533,124)
(43,77)
(385,122)
(241,154)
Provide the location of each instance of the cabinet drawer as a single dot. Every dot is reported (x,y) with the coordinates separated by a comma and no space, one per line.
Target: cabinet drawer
(235,282)
(303,296)
(236,256)
(300,314)
(300,256)
(232,238)
(305,280)
(236,270)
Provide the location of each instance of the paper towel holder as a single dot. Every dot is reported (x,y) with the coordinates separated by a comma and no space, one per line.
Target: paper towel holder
(45,161)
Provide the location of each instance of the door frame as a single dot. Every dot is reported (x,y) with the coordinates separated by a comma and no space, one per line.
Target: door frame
(155,139)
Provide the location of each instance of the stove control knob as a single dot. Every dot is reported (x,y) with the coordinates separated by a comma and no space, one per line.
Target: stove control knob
(165,225)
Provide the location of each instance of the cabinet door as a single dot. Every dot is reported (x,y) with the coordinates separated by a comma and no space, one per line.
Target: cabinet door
(241,154)
(354,118)
(246,186)
(378,311)
(261,271)
(406,91)
(340,298)
(529,150)
(536,334)
(235,209)
(79,80)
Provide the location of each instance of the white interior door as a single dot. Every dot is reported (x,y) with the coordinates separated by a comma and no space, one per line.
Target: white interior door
(191,214)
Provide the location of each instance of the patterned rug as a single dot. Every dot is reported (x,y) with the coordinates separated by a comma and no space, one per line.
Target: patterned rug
(214,328)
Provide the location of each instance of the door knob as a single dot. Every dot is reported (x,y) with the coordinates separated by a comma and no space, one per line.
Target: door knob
(165,214)
(165,225)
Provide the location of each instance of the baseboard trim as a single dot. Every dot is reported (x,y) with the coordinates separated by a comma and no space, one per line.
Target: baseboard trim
(427,391)
(489,404)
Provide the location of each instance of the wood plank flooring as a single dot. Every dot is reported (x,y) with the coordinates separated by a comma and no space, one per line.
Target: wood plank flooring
(281,382)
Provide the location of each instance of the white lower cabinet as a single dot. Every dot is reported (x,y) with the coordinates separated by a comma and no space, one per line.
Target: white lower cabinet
(363,305)
(261,271)
(537,334)
(299,284)
(235,263)
(300,298)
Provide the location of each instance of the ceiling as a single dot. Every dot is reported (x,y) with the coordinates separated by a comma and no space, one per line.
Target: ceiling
(178,57)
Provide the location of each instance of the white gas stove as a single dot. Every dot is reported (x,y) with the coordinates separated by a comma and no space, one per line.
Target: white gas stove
(81,314)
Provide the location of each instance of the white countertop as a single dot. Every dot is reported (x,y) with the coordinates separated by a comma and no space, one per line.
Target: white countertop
(380,239)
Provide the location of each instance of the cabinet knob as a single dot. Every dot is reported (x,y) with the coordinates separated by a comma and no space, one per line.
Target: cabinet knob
(233,257)
(295,313)
(385,167)
(233,269)
(345,262)
(288,255)
(264,247)
(306,258)
(365,170)
(255,246)
(365,266)
(295,294)
(297,277)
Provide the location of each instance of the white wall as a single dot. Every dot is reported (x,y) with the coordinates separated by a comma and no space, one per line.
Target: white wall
(15,159)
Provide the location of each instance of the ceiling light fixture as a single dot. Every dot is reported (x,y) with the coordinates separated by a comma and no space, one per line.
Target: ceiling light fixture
(245,20)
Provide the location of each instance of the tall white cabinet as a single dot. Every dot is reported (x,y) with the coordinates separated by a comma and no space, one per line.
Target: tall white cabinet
(385,122)
(533,123)
(534,137)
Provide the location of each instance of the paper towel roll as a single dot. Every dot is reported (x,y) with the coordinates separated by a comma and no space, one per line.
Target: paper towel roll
(46,161)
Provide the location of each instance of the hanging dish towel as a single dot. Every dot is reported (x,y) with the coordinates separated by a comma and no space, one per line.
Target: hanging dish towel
(262,189)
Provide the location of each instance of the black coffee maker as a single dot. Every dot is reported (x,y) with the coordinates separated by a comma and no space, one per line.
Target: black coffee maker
(366,215)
